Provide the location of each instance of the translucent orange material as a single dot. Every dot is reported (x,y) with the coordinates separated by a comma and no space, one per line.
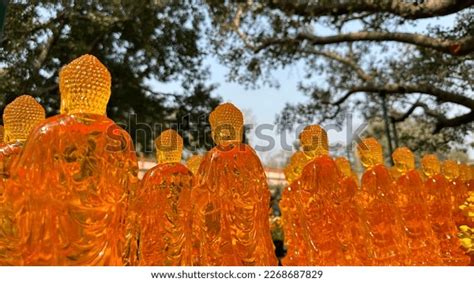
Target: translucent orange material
(467,230)
(2,131)
(410,199)
(70,187)
(314,141)
(354,237)
(450,170)
(376,197)
(19,118)
(231,199)
(163,207)
(87,77)
(291,219)
(439,200)
(193,163)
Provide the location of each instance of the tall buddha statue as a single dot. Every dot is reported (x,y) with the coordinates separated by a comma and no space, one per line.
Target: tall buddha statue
(410,199)
(19,117)
(231,199)
(71,186)
(440,205)
(319,183)
(352,219)
(450,170)
(377,198)
(164,208)
(193,163)
(291,213)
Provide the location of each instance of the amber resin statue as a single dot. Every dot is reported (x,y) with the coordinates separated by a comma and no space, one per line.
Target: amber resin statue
(19,117)
(70,187)
(439,200)
(355,237)
(163,207)
(291,213)
(193,163)
(450,170)
(410,199)
(319,183)
(377,198)
(231,199)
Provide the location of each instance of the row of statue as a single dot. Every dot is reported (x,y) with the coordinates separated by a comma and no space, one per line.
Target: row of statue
(70,195)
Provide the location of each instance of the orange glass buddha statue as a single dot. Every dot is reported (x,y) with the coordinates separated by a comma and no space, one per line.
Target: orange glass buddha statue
(20,116)
(291,213)
(193,163)
(164,208)
(410,198)
(319,183)
(450,170)
(377,198)
(439,200)
(355,237)
(71,186)
(231,199)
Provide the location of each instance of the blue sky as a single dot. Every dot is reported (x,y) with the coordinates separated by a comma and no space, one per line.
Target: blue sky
(261,105)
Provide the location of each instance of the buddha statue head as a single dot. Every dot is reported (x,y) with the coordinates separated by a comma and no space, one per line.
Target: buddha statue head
(1,134)
(344,166)
(450,169)
(169,147)
(227,124)
(430,165)
(20,117)
(314,141)
(84,85)
(295,167)
(370,152)
(193,163)
(403,159)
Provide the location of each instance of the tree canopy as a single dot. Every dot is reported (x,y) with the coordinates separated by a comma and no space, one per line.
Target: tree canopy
(354,52)
(139,42)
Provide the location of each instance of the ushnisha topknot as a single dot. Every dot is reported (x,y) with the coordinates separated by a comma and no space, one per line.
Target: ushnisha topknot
(169,147)
(314,141)
(227,123)
(20,117)
(85,86)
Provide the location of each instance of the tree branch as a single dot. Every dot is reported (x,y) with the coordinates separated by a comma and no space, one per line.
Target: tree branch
(459,47)
(400,8)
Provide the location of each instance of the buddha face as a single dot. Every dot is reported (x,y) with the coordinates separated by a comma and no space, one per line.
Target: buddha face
(344,166)
(430,165)
(169,147)
(314,141)
(370,152)
(404,159)
(227,123)
(20,117)
(84,85)
(450,169)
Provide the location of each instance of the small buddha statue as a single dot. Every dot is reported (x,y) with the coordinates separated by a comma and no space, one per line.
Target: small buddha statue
(164,208)
(440,208)
(19,117)
(355,237)
(231,199)
(71,186)
(450,170)
(410,199)
(377,197)
(291,213)
(319,182)
(193,163)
